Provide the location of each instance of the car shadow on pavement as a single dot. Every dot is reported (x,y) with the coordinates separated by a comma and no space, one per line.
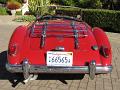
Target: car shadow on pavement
(15,79)
(61,77)
(5,75)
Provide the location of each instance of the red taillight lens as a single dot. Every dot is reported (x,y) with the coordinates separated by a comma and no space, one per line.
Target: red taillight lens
(12,50)
(105,51)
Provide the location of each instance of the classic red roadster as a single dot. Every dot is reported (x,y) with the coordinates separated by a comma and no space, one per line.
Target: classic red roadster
(59,44)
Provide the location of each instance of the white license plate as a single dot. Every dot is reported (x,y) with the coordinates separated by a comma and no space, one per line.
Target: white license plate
(55,58)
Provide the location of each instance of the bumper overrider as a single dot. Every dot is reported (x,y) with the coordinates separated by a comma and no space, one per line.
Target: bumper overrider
(26,69)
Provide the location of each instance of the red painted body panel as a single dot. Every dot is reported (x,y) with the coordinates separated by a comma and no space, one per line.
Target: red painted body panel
(17,39)
(102,40)
(29,44)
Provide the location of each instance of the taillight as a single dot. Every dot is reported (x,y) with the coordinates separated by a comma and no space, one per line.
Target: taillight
(12,50)
(105,51)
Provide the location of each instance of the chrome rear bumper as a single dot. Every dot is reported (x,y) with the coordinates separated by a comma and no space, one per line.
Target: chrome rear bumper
(26,69)
(48,69)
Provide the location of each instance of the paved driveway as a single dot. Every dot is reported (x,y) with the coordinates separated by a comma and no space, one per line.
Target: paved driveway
(10,81)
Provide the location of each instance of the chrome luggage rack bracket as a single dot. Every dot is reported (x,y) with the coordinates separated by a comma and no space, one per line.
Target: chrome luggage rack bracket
(76,33)
(43,35)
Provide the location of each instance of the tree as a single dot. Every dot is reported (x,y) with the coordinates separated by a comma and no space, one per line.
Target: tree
(88,3)
(69,2)
(65,2)
(80,3)
(108,4)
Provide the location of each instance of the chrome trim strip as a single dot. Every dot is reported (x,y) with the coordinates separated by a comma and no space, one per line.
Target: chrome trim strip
(46,69)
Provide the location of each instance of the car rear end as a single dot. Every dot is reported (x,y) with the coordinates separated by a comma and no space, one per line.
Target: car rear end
(59,46)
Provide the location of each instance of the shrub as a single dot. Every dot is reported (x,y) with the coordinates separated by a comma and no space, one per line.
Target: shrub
(33,6)
(109,20)
(12,5)
(3,11)
(28,18)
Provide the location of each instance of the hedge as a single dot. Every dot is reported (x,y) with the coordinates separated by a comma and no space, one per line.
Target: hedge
(69,11)
(109,20)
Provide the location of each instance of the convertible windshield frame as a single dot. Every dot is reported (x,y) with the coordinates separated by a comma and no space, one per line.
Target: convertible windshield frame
(50,17)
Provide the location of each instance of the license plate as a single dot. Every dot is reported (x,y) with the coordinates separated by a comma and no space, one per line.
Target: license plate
(55,58)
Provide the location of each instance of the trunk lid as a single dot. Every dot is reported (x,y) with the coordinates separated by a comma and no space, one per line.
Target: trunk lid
(71,35)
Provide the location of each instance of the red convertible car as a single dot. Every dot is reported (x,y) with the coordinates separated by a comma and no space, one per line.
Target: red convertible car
(59,44)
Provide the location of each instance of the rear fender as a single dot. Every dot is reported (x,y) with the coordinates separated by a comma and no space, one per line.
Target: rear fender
(102,40)
(17,39)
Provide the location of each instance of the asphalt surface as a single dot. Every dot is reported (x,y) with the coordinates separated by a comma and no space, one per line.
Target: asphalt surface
(9,81)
